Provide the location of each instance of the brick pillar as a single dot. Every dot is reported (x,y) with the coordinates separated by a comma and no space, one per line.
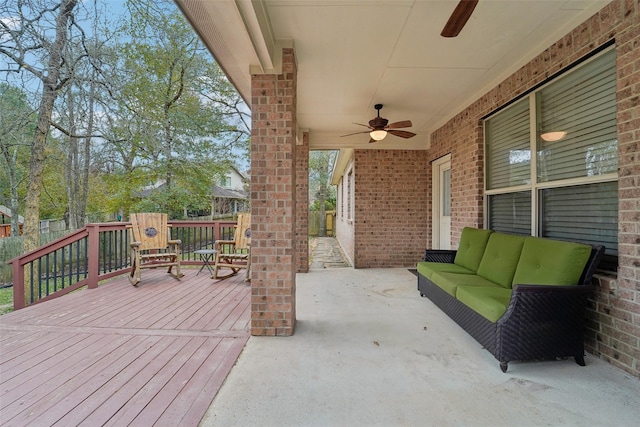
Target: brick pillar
(302,204)
(273,197)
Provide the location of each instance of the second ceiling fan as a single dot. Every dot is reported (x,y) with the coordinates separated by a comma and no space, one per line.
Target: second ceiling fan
(459,18)
(379,127)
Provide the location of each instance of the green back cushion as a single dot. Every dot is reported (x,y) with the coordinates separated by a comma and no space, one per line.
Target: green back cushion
(472,244)
(501,258)
(488,302)
(551,262)
(427,268)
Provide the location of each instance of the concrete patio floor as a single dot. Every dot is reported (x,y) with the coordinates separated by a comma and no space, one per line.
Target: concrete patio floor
(369,351)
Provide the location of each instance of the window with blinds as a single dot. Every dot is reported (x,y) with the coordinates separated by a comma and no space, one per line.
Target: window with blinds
(582,104)
(508,147)
(569,190)
(510,212)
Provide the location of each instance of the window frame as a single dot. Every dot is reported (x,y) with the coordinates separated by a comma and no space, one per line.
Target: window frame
(534,186)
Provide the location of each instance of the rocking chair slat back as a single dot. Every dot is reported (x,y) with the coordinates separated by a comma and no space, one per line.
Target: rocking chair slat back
(243,232)
(150,229)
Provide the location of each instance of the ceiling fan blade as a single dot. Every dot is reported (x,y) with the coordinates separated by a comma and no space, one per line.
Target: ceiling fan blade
(459,18)
(360,124)
(355,133)
(401,133)
(402,124)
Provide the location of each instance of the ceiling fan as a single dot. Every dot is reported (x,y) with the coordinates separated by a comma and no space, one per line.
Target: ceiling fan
(379,127)
(459,18)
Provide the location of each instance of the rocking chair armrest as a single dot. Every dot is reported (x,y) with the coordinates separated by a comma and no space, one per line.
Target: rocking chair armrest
(135,245)
(217,245)
(175,242)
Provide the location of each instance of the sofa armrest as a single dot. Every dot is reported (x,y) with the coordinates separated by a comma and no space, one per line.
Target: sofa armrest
(439,255)
(533,303)
(543,321)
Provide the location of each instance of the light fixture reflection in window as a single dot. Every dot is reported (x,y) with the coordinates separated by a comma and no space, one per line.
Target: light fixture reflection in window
(553,136)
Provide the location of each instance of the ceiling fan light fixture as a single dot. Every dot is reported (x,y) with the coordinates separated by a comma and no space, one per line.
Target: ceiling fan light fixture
(553,136)
(378,134)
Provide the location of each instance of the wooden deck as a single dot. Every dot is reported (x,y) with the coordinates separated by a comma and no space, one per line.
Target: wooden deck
(120,355)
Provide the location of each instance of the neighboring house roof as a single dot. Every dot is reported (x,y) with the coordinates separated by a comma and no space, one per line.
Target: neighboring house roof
(5,211)
(227,193)
(149,189)
(216,191)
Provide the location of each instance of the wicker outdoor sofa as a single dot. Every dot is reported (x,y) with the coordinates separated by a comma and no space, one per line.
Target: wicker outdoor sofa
(521,297)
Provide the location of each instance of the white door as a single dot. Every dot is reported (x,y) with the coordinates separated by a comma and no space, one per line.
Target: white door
(442,203)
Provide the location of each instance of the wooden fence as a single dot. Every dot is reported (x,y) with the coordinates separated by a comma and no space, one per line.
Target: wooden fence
(314,223)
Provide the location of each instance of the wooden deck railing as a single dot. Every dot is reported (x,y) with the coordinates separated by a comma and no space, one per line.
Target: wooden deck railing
(97,252)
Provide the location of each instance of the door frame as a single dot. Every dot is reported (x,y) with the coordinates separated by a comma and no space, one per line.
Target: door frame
(437,166)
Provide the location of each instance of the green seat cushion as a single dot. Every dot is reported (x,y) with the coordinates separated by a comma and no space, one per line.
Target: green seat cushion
(551,262)
(500,258)
(489,302)
(428,268)
(449,282)
(472,244)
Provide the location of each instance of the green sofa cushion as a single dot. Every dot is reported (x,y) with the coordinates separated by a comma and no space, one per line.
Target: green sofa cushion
(472,244)
(449,282)
(489,302)
(551,262)
(500,258)
(428,268)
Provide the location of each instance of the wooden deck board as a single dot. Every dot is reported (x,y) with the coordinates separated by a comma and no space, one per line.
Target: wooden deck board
(121,355)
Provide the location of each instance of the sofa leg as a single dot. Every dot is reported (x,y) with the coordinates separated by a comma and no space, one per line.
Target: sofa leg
(504,366)
(580,359)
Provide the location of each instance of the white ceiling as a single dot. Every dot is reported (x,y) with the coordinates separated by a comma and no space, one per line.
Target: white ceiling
(353,54)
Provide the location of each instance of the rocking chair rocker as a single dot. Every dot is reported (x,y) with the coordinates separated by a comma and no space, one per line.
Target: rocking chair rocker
(235,254)
(151,246)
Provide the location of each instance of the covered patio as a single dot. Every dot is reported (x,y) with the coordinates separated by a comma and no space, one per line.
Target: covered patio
(369,351)
(313,72)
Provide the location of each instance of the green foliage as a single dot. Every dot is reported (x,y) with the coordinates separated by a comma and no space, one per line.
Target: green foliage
(165,112)
(17,124)
(6,300)
(329,205)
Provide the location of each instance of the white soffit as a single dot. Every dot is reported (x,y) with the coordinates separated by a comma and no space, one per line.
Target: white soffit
(353,54)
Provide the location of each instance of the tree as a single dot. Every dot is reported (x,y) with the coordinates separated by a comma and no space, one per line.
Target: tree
(17,123)
(42,32)
(320,167)
(183,104)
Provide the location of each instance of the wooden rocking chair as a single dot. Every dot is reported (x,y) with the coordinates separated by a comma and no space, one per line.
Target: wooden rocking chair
(235,254)
(151,245)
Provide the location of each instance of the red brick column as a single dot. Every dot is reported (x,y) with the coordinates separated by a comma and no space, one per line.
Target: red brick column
(302,204)
(273,197)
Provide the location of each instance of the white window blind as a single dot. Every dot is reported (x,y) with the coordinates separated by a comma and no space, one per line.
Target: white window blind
(511,212)
(583,104)
(508,152)
(582,213)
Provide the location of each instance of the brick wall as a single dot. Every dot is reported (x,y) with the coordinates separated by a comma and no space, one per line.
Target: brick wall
(302,205)
(390,219)
(273,198)
(614,316)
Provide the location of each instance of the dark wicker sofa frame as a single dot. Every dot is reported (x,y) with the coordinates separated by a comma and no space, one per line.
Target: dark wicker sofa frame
(541,322)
